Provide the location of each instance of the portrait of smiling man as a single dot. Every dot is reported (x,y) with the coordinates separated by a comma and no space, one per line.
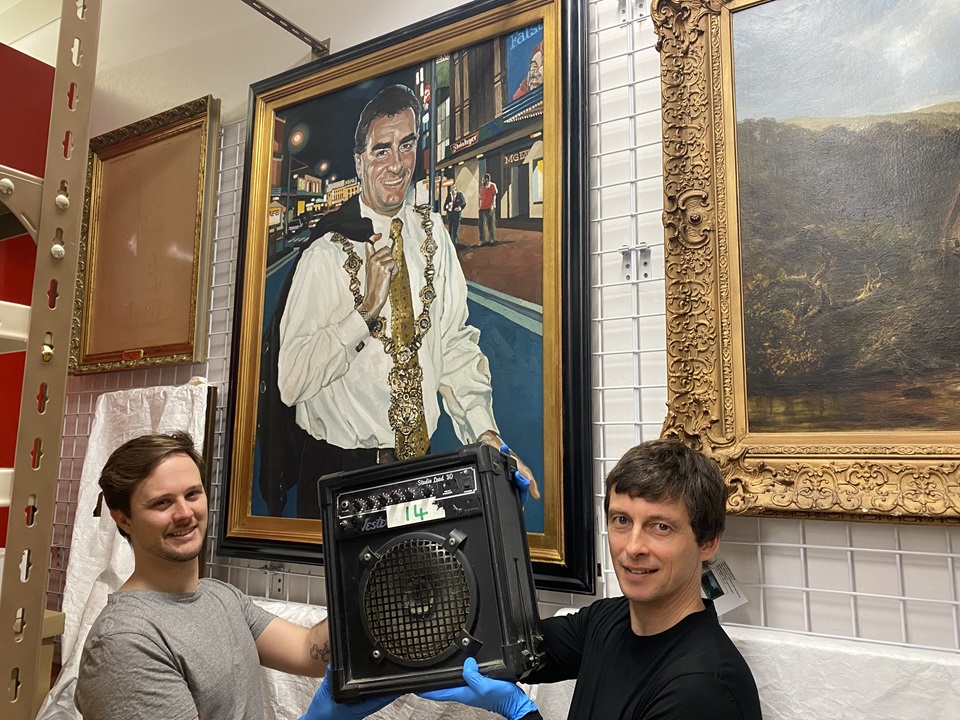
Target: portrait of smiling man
(373,330)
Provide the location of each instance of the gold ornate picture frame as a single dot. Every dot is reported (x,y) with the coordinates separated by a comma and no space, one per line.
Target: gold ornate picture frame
(143,282)
(501,86)
(756,377)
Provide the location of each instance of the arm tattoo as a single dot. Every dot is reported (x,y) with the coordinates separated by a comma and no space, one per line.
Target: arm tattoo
(320,653)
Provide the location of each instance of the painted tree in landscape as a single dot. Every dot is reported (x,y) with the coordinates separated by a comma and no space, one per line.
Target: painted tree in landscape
(847,273)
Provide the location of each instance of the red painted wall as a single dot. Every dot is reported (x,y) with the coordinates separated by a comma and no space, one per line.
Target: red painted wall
(26,86)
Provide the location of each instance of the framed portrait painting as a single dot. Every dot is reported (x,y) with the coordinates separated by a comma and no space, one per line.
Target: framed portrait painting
(413,275)
(812,245)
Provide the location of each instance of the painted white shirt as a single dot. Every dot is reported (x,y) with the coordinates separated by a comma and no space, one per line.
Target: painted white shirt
(341,393)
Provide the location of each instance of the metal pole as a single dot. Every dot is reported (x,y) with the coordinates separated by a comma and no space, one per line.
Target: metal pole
(37,464)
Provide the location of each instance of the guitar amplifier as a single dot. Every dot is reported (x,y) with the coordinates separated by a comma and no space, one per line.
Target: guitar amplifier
(427,564)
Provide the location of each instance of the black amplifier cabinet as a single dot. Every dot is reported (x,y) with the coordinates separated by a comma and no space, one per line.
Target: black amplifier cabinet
(427,564)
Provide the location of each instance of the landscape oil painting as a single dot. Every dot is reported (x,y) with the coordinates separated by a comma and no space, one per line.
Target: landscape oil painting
(811,174)
(848,162)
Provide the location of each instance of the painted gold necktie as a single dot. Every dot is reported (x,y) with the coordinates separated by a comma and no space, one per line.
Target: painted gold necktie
(406,377)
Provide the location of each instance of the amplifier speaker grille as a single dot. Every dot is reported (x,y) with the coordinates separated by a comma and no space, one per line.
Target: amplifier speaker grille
(416,600)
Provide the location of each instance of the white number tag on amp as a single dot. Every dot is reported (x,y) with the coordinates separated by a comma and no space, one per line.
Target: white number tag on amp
(414,511)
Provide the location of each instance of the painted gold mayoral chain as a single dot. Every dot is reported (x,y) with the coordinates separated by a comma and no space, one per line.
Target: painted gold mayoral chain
(406,376)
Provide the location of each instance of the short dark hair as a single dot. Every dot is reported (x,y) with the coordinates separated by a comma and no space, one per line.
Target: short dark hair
(390,101)
(486,176)
(668,471)
(132,462)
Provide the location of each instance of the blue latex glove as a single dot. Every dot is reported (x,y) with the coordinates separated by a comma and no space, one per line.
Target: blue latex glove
(498,696)
(521,482)
(324,707)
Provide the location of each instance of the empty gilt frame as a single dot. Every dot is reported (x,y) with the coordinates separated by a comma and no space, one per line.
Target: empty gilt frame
(143,282)
(883,467)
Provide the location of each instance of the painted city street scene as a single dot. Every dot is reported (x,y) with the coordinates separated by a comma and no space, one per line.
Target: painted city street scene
(480,166)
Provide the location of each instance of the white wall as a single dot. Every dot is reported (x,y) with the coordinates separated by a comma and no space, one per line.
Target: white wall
(154,56)
(887,582)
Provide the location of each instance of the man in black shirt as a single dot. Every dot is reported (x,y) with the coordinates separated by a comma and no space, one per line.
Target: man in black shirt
(658,652)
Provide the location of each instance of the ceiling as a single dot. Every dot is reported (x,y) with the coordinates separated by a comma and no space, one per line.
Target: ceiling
(153,56)
(19,18)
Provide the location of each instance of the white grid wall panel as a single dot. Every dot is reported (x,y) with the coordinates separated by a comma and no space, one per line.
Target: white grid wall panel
(299,583)
(629,357)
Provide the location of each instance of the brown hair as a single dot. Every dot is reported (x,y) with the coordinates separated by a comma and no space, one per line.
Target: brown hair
(390,101)
(130,464)
(668,471)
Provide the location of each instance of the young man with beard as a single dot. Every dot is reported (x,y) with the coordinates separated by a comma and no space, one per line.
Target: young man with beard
(168,644)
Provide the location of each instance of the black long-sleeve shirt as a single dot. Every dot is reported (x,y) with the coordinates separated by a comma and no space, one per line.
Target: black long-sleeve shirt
(692,671)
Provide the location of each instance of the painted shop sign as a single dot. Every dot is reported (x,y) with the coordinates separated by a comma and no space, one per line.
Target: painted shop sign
(465,142)
(515,157)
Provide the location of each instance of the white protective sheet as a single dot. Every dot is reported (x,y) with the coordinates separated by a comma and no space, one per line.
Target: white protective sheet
(100,559)
(803,677)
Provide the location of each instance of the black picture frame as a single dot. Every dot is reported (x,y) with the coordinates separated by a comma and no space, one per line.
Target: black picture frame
(564,553)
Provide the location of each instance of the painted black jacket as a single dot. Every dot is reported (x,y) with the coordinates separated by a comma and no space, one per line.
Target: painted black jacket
(281,440)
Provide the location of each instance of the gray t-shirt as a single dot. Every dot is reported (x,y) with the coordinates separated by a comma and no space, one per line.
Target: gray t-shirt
(174,656)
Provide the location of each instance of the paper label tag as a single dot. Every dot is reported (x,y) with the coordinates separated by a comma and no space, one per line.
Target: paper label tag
(414,511)
(717,583)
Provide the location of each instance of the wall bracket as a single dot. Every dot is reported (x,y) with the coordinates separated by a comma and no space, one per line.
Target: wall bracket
(318,48)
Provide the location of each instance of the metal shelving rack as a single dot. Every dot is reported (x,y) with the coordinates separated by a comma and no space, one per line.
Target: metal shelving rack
(51,209)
